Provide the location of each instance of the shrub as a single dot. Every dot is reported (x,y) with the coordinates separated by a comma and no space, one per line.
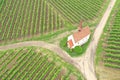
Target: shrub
(77,49)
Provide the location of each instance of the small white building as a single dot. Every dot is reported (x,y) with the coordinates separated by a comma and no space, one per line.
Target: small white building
(79,38)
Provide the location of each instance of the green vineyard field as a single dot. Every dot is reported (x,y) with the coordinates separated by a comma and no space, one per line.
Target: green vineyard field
(32,63)
(76,10)
(110,42)
(27,18)
(113,44)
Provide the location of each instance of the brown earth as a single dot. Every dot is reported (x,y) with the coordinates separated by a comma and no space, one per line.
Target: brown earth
(106,73)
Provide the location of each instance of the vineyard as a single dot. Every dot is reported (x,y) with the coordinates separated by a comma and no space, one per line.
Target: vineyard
(108,49)
(76,10)
(44,23)
(32,63)
(112,50)
(27,18)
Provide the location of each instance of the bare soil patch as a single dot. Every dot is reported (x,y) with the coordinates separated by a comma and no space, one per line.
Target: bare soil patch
(73,77)
(106,73)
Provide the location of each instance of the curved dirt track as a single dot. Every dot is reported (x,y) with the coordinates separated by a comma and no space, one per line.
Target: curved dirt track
(42,44)
(46,45)
(85,63)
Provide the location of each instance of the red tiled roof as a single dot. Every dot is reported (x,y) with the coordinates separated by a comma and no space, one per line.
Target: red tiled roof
(80,35)
(70,43)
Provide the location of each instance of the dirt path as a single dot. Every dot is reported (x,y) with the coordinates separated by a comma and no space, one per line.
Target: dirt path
(86,62)
(42,44)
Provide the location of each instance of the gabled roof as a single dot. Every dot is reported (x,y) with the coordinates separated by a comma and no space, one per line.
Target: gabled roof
(70,43)
(81,34)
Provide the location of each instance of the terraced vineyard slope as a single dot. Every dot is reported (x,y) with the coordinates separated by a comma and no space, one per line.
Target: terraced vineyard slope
(33,63)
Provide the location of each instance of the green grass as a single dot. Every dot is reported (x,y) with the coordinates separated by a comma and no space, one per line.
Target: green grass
(51,35)
(63,45)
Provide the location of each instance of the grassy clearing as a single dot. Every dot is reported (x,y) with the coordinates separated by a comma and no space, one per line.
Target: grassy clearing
(63,45)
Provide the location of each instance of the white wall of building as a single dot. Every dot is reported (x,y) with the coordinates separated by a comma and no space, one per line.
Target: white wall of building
(83,41)
(71,37)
